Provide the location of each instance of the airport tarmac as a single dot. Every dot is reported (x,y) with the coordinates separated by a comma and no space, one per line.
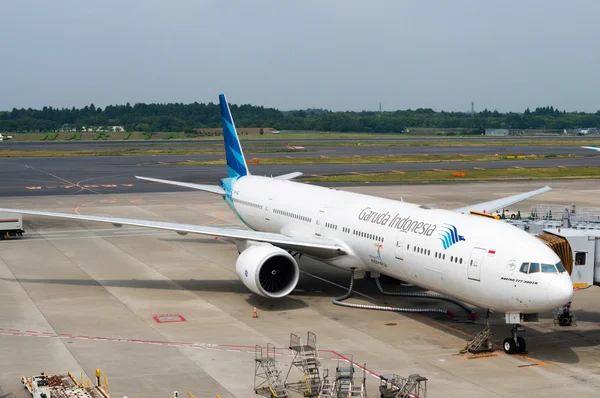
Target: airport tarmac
(77,296)
(116,174)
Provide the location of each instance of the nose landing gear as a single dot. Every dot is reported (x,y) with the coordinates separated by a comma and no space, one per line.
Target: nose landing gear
(515,344)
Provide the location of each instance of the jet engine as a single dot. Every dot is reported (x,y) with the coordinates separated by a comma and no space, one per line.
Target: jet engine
(267,270)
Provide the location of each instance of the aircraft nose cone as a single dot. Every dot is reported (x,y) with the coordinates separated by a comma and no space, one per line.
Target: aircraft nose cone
(560,291)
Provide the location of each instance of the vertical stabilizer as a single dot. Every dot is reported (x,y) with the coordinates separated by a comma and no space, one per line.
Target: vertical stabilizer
(236,163)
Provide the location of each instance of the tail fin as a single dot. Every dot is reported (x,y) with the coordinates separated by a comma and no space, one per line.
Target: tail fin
(236,163)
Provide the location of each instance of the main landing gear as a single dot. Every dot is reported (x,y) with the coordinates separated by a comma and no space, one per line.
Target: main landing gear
(515,344)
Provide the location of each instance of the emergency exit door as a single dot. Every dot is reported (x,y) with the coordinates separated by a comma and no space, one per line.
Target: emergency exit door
(475,262)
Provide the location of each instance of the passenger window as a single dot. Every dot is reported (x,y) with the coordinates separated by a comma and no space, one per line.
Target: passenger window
(548,268)
(534,267)
(460,261)
(451,258)
(580,258)
(524,267)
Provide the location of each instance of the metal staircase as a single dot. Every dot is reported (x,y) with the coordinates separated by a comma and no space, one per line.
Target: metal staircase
(267,375)
(327,389)
(344,385)
(394,386)
(306,358)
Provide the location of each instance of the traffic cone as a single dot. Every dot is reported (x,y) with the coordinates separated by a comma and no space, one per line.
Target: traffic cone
(255,314)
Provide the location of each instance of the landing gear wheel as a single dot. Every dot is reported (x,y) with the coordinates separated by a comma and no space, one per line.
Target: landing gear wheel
(565,320)
(521,345)
(510,347)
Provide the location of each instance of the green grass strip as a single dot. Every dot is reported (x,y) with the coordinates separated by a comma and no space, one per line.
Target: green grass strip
(541,173)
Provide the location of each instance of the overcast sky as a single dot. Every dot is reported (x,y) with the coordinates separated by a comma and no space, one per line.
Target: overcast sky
(339,55)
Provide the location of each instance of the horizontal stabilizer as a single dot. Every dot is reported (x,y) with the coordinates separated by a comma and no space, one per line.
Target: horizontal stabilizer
(289,176)
(208,188)
(502,203)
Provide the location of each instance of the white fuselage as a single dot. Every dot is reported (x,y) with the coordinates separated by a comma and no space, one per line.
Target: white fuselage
(472,258)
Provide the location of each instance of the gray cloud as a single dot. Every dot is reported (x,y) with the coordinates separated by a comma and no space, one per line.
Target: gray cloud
(341,55)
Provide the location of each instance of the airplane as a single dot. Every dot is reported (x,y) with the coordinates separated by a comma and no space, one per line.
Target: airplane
(462,252)
(5,137)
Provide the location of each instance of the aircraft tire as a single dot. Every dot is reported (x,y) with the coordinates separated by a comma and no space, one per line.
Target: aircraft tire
(522,346)
(510,347)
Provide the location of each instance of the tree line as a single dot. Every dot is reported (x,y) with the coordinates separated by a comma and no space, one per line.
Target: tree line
(186,117)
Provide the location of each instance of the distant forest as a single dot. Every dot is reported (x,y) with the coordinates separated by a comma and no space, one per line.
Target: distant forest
(179,117)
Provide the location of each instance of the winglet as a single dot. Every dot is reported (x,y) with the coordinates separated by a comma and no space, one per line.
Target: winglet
(236,163)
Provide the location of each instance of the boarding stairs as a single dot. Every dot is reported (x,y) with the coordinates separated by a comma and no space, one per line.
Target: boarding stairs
(306,359)
(267,375)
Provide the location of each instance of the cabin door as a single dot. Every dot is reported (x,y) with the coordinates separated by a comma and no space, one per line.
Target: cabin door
(400,241)
(268,209)
(319,224)
(475,262)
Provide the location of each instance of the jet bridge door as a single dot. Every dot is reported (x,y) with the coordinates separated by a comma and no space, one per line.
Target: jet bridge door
(474,270)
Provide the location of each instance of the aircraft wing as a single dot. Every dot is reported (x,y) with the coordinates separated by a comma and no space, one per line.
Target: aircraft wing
(322,247)
(288,176)
(591,147)
(498,204)
(209,188)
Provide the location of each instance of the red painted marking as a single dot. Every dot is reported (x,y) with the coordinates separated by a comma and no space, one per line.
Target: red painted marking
(167,318)
(31,331)
(216,347)
(491,251)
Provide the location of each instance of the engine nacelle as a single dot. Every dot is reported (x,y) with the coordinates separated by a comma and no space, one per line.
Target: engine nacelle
(268,270)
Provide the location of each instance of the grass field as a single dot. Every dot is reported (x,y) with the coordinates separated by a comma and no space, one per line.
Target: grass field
(297,137)
(380,159)
(465,141)
(174,136)
(216,150)
(470,175)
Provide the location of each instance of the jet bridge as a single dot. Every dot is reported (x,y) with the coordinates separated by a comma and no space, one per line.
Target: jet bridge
(582,256)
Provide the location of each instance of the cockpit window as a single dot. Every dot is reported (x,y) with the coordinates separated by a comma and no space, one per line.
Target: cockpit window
(524,267)
(549,268)
(560,267)
(535,267)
